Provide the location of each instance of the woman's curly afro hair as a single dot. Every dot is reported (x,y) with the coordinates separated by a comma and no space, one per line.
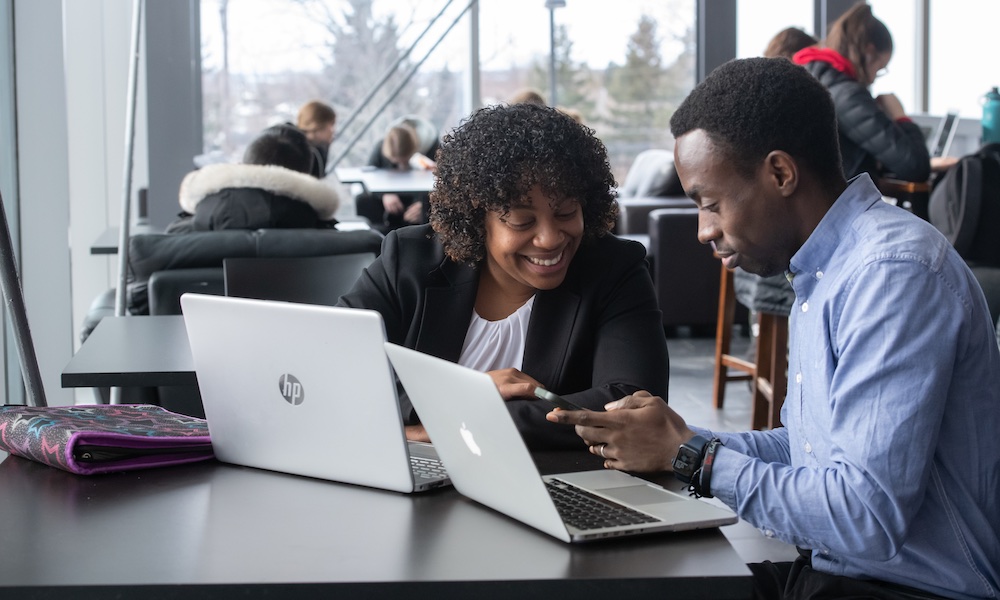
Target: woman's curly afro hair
(492,160)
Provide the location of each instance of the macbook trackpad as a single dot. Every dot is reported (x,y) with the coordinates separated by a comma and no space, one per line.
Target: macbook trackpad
(640,494)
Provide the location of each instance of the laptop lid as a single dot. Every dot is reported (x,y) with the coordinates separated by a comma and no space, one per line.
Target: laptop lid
(486,457)
(940,143)
(299,388)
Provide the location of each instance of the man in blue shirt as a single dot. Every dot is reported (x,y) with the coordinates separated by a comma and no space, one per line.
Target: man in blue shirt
(886,473)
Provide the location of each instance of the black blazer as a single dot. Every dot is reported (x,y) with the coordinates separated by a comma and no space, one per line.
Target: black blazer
(595,338)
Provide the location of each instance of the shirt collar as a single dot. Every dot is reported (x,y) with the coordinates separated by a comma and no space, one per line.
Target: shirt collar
(814,256)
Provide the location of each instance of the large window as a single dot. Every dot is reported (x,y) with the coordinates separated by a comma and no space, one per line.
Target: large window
(263,59)
(901,19)
(757,21)
(963,64)
(623,71)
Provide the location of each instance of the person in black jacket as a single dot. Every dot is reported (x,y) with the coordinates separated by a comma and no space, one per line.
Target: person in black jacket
(516,274)
(271,189)
(876,136)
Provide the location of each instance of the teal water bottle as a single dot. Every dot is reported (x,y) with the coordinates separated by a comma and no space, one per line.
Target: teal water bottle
(991,117)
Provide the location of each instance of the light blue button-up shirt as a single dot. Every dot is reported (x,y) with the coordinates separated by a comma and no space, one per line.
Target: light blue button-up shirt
(888,464)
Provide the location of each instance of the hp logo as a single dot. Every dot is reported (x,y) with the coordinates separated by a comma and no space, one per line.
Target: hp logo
(291,389)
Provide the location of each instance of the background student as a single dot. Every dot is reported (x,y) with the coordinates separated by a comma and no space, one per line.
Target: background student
(876,135)
(271,188)
(317,120)
(400,151)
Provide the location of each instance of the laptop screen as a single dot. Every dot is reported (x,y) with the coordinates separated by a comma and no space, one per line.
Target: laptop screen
(940,143)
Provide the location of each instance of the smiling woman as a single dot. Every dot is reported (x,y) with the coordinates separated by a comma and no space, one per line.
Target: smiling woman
(516,274)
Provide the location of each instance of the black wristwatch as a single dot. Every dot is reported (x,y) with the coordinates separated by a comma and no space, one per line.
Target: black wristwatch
(689,457)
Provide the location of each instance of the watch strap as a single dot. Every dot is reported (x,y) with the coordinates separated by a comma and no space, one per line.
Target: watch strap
(702,485)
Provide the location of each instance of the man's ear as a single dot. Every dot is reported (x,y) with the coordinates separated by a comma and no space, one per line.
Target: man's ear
(783,172)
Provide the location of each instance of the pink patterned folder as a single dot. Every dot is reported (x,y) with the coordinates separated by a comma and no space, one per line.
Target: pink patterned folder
(103,438)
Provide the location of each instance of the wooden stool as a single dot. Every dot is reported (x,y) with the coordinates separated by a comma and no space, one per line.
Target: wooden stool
(768,376)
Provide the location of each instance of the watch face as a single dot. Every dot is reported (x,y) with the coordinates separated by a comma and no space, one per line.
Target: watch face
(688,458)
(686,461)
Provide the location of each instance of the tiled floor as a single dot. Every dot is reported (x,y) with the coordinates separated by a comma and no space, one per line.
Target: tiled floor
(692,364)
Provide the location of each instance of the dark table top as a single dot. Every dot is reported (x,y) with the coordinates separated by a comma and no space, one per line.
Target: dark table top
(133,351)
(387,181)
(220,531)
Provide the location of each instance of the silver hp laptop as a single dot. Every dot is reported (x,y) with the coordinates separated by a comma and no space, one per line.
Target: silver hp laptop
(303,389)
(488,462)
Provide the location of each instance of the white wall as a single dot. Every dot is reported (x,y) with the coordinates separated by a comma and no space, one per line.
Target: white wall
(44,185)
(98,43)
(71,70)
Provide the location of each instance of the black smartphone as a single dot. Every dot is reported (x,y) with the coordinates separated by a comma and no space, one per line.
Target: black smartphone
(555,399)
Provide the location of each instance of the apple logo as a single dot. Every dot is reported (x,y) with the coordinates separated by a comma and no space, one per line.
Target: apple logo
(470,441)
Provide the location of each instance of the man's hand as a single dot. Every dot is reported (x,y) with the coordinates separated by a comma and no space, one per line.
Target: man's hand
(514,384)
(638,433)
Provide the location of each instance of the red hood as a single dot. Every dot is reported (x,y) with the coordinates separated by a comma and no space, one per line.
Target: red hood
(827,55)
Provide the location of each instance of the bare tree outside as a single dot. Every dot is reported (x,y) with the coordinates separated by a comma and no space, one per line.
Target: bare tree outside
(336,51)
(643,93)
(355,50)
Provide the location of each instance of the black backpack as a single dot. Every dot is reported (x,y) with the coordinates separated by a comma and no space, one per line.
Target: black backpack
(965,206)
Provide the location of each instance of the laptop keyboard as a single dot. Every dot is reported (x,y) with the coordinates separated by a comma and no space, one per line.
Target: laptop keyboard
(585,511)
(427,468)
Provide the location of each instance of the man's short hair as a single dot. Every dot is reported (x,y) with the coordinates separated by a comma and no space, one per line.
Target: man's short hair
(281,145)
(315,115)
(752,106)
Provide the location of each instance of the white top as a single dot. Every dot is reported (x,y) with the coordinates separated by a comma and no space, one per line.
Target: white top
(492,345)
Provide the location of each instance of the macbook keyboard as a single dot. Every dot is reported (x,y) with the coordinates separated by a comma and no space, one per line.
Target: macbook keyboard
(427,468)
(585,510)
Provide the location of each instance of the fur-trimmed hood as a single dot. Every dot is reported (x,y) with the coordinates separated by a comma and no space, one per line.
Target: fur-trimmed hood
(212,179)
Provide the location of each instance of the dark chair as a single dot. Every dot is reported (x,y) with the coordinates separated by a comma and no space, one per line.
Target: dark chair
(165,288)
(685,271)
(651,183)
(164,266)
(309,280)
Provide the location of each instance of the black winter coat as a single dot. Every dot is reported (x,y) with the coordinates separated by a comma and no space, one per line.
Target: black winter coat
(253,197)
(869,140)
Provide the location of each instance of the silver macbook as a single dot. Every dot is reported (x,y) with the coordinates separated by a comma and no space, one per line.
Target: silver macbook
(944,134)
(488,462)
(303,389)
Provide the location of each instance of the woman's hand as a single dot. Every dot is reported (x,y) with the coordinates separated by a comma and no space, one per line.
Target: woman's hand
(891,106)
(416,433)
(514,384)
(943,163)
(392,204)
